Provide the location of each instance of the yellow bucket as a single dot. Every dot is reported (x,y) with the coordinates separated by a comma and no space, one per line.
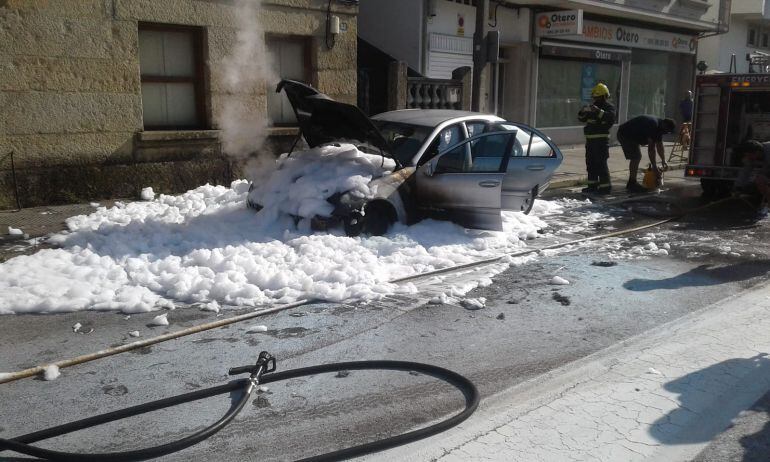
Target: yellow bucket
(650,180)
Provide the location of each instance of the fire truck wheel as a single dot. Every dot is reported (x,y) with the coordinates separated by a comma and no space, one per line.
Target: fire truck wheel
(715,189)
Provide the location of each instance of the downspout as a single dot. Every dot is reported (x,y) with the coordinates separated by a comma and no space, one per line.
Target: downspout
(534,69)
(479,53)
(424,45)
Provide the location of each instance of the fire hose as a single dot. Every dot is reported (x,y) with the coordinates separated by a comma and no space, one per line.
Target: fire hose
(262,372)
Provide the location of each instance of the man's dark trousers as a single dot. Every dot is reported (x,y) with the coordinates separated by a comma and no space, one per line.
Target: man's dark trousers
(597,153)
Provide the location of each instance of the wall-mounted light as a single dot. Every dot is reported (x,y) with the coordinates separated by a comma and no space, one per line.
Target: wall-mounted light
(432,10)
(334,25)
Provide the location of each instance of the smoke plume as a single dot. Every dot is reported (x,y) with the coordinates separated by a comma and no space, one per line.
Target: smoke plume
(245,75)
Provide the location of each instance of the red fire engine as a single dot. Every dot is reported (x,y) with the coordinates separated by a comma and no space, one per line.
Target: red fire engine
(729,109)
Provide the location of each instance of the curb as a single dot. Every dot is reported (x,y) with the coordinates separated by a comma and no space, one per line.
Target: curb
(577,180)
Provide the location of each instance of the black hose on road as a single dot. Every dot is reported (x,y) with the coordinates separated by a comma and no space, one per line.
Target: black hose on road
(266,363)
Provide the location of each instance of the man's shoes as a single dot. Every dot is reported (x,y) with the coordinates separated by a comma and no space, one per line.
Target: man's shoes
(589,190)
(635,188)
(604,190)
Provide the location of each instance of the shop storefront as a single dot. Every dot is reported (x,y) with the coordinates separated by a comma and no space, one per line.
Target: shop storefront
(648,71)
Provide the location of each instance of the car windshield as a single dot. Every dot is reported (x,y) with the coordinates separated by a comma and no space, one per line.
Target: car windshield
(405,139)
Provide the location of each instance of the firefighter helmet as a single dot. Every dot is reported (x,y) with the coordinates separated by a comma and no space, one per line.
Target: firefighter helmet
(600,90)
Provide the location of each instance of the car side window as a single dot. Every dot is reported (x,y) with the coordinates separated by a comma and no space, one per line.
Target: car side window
(449,137)
(486,155)
(540,147)
(522,137)
(475,128)
(446,138)
(530,144)
(452,161)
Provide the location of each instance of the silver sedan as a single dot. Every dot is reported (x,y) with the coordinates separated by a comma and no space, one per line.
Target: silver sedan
(453,165)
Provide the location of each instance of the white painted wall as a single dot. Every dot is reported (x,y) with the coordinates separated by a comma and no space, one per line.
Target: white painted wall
(513,25)
(395,27)
(749,7)
(445,21)
(716,50)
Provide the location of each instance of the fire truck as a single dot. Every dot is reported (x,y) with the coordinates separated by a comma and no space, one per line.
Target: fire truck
(729,109)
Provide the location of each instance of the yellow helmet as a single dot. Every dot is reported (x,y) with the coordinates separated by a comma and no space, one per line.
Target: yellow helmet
(600,90)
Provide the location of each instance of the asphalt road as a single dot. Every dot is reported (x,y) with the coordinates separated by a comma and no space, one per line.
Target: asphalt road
(528,327)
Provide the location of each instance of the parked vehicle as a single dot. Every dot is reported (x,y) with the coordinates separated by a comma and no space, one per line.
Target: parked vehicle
(451,165)
(729,109)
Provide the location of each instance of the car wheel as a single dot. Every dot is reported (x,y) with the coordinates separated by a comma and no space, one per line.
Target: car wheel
(529,202)
(354,224)
(378,218)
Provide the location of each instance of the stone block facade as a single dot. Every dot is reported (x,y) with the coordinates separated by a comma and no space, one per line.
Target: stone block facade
(71,108)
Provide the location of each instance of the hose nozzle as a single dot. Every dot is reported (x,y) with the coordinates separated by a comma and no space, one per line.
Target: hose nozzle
(265,363)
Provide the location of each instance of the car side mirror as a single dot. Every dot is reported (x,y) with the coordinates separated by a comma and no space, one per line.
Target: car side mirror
(431,167)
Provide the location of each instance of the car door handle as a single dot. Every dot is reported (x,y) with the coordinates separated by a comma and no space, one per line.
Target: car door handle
(535,167)
(489,184)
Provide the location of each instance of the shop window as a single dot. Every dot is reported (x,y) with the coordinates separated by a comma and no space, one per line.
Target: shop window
(649,83)
(170,65)
(290,57)
(752,40)
(564,86)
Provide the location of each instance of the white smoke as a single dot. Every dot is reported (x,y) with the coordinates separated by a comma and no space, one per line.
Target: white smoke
(245,74)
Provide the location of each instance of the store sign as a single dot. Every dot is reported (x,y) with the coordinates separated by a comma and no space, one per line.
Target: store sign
(584,53)
(558,23)
(628,36)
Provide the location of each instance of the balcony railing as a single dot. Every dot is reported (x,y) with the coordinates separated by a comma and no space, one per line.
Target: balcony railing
(424,93)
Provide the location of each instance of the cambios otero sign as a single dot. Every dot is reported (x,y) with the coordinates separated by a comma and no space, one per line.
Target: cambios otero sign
(560,23)
(611,34)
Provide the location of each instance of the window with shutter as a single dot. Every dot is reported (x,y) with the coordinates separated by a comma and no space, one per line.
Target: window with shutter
(171,72)
(290,59)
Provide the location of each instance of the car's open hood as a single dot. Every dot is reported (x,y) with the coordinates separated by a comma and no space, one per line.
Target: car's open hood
(323,120)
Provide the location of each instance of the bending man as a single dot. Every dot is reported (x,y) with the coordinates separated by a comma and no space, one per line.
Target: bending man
(644,130)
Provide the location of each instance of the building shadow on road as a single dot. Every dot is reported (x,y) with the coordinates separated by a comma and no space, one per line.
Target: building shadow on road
(703,275)
(709,400)
(734,214)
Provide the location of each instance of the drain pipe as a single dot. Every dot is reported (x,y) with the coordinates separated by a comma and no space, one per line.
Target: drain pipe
(15,185)
(13,176)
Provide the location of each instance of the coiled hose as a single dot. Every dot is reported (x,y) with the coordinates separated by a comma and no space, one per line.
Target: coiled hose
(22,444)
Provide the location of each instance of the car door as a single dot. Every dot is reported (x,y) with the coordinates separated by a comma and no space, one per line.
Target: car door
(464,183)
(534,159)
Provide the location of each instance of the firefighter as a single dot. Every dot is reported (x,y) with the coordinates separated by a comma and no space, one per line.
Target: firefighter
(754,177)
(598,118)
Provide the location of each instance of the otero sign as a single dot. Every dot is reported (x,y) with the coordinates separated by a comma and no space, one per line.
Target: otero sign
(628,36)
(558,23)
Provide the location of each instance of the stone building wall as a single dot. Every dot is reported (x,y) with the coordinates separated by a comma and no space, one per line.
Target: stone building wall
(70,93)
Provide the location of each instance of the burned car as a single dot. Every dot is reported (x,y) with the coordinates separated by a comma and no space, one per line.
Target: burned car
(449,165)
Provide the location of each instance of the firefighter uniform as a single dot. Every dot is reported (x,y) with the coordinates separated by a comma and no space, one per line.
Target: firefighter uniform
(598,119)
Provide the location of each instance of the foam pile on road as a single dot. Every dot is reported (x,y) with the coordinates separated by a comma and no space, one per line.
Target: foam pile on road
(206,247)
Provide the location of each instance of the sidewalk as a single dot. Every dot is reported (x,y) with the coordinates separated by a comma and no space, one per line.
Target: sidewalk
(572,170)
(37,222)
(661,396)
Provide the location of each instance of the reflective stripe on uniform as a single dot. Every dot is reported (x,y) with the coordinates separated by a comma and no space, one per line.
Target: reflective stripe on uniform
(597,136)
